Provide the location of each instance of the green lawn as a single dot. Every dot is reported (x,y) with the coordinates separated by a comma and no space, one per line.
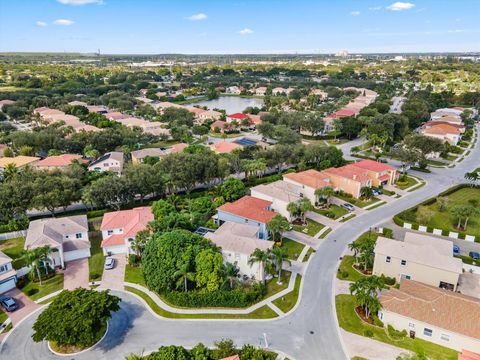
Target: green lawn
(265,312)
(308,254)
(293,248)
(14,249)
(346,218)
(312,228)
(36,291)
(349,321)
(96,260)
(333,212)
(409,181)
(273,287)
(134,275)
(3,317)
(357,202)
(287,302)
(346,270)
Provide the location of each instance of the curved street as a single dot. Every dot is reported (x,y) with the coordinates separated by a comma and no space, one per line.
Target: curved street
(310,332)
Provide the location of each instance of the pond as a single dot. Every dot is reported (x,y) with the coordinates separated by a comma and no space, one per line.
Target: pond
(231,104)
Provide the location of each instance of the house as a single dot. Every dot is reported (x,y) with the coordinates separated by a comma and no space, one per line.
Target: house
(468,355)
(451,119)
(45,111)
(6,102)
(248,210)
(445,133)
(165,105)
(261,91)
(66,236)
(149,127)
(280,193)
(349,179)
(111,161)
(279,91)
(381,174)
(429,313)
(195,110)
(177,148)
(224,147)
(100,109)
(233,90)
(238,117)
(58,162)
(341,114)
(309,181)
(439,113)
(139,155)
(77,103)
(210,115)
(237,357)
(18,161)
(222,126)
(8,275)
(320,93)
(119,228)
(429,124)
(238,242)
(419,257)
(115,115)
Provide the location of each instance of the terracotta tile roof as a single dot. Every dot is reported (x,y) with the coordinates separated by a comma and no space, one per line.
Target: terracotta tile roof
(372,165)
(441,130)
(468,355)
(224,147)
(238,116)
(131,221)
(18,161)
(438,307)
(219,124)
(350,172)
(251,208)
(7,102)
(195,110)
(234,357)
(115,115)
(178,147)
(311,178)
(441,122)
(58,161)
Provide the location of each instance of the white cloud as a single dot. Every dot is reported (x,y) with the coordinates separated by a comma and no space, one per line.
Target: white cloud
(63,22)
(197,17)
(355,13)
(245,31)
(80,2)
(41,23)
(398,6)
(375,8)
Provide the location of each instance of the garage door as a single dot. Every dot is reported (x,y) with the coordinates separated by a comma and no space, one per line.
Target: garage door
(76,254)
(122,249)
(8,285)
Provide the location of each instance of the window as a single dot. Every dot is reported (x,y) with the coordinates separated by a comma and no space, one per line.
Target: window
(246,220)
(445,337)
(78,236)
(3,268)
(403,262)
(427,332)
(109,232)
(411,325)
(387,259)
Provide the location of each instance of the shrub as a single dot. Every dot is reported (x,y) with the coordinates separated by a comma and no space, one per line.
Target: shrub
(368,333)
(133,260)
(377,321)
(396,334)
(388,280)
(388,233)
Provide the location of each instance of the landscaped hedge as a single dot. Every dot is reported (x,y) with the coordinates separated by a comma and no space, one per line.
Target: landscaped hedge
(236,298)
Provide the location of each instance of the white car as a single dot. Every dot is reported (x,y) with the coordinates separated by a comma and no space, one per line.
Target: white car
(109,263)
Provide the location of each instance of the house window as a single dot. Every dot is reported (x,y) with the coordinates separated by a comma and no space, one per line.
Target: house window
(78,236)
(246,220)
(404,262)
(411,325)
(3,268)
(109,232)
(427,332)
(445,337)
(387,259)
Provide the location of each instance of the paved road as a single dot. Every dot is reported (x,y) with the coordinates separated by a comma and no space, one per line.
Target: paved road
(309,333)
(397,102)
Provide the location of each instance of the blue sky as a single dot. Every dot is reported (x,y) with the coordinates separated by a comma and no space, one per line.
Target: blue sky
(239,26)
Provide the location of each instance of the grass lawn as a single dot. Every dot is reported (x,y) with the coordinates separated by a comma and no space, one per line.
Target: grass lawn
(14,249)
(265,312)
(346,270)
(333,212)
(311,229)
(325,233)
(3,317)
(436,163)
(36,291)
(349,321)
(96,260)
(287,302)
(293,248)
(346,218)
(134,275)
(402,185)
(357,202)
(273,287)
(308,254)
(388,192)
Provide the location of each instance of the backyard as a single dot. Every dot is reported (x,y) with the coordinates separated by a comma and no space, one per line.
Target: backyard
(311,228)
(14,249)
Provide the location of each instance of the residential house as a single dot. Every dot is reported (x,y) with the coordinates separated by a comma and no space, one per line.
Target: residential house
(77,103)
(309,181)
(349,179)
(439,113)
(67,238)
(177,148)
(149,127)
(6,102)
(224,147)
(248,210)
(238,242)
(445,133)
(261,91)
(45,111)
(161,106)
(461,128)
(320,93)
(115,115)
(422,258)
(237,357)
(18,161)
(238,117)
(119,229)
(195,110)
(429,313)
(210,115)
(235,90)
(138,156)
(450,119)
(8,275)
(111,161)
(279,91)
(100,109)
(222,126)
(57,162)
(280,193)
(381,174)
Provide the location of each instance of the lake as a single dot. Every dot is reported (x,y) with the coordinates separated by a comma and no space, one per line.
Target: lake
(231,104)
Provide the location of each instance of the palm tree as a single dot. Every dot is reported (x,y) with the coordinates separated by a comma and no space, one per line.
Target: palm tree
(10,172)
(355,247)
(279,255)
(183,275)
(293,210)
(262,257)
(231,273)
(366,192)
(34,258)
(325,194)
(473,177)
(366,291)
(277,225)
(304,205)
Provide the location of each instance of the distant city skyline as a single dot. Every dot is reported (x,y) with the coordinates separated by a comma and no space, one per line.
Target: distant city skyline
(239,27)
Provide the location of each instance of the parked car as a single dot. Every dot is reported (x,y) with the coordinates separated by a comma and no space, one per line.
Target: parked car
(377,192)
(456,249)
(9,303)
(348,206)
(109,263)
(474,255)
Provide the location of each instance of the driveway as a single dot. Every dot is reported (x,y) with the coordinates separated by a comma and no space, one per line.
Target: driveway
(76,274)
(469,284)
(25,306)
(113,279)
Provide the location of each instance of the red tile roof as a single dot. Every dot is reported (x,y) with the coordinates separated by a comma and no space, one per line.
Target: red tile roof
(238,116)
(131,221)
(349,171)
(251,208)
(372,165)
(311,178)
(58,161)
(234,357)
(179,147)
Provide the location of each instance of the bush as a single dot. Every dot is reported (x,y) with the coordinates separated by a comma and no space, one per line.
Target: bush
(133,260)
(368,333)
(388,280)
(409,215)
(396,334)
(377,321)
(388,233)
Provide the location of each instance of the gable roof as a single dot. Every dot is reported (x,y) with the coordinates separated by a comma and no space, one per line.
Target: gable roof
(51,231)
(18,161)
(350,172)
(58,160)
(131,221)
(153,152)
(311,178)
(435,306)
(224,147)
(238,116)
(115,155)
(4,259)
(250,207)
(372,165)
(176,148)
(280,190)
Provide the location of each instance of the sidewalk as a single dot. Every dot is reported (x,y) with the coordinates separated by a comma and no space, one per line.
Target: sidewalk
(368,348)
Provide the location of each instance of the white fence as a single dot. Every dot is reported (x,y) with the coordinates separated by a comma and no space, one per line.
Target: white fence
(13,235)
(451,234)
